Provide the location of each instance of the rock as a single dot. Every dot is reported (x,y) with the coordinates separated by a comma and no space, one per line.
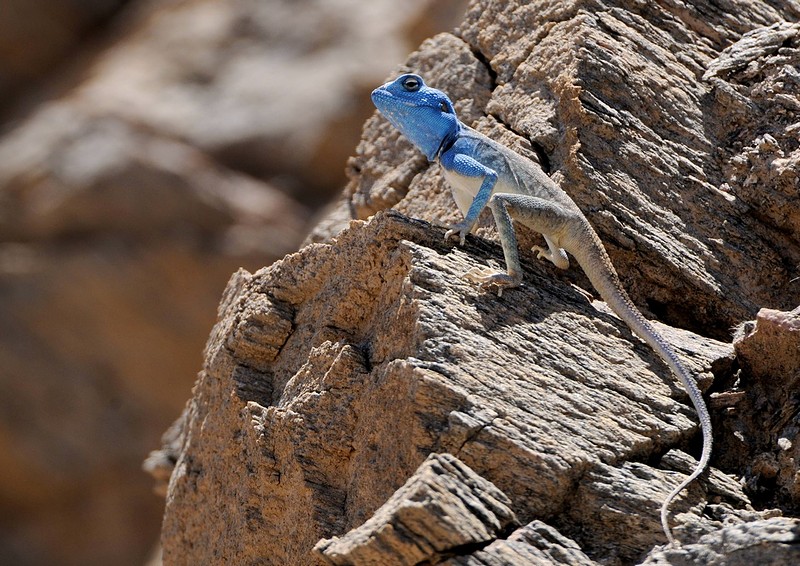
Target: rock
(332,374)
(611,104)
(114,246)
(535,543)
(768,353)
(770,542)
(743,57)
(442,507)
(445,509)
(173,144)
(756,83)
(626,501)
(78,175)
(247,83)
(160,463)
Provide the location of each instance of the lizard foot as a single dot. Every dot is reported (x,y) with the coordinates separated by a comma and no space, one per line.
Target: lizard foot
(561,260)
(541,252)
(489,278)
(460,230)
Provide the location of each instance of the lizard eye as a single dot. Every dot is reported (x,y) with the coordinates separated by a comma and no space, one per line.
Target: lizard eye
(443,107)
(411,84)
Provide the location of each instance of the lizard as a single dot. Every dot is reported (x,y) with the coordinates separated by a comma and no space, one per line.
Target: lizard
(484,173)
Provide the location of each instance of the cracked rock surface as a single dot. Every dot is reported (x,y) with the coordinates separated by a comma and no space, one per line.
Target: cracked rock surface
(148,149)
(442,509)
(665,123)
(333,374)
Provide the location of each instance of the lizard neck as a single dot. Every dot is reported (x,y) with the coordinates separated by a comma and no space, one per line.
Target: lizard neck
(448,140)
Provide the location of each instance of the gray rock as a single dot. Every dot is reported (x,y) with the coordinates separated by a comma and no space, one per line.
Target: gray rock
(770,542)
(444,506)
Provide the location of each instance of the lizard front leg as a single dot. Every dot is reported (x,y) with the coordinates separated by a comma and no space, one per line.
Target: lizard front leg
(461,167)
(512,277)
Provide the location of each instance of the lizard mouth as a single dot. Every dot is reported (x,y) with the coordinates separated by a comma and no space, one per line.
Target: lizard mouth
(382,94)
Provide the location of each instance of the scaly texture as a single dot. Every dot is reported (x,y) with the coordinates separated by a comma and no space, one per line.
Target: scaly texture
(609,97)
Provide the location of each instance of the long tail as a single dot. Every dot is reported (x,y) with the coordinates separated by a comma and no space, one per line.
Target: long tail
(594,260)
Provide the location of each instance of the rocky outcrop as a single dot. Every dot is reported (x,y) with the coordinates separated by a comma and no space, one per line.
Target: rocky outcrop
(439,507)
(762,423)
(446,513)
(773,542)
(614,105)
(333,374)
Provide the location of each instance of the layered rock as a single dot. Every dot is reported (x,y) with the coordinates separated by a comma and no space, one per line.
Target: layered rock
(332,375)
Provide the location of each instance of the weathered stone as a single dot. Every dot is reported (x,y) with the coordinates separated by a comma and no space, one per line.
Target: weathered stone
(761,430)
(755,112)
(147,157)
(535,543)
(382,354)
(770,542)
(609,99)
(392,356)
(443,507)
(264,87)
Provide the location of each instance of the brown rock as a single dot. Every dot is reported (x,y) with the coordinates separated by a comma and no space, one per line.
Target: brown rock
(71,173)
(761,428)
(376,354)
(611,104)
(186,139)
(756,111)
(331,375)
(444,506)
(114,248)
(446,509)
(264,87)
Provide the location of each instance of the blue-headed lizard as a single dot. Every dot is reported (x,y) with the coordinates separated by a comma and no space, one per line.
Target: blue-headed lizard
(481,173)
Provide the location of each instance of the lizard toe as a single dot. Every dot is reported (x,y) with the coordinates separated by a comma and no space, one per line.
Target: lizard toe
(490,279)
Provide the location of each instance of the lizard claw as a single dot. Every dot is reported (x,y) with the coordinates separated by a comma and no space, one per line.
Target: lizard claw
(541,252)
(558,259)
(461,230)
(489,278)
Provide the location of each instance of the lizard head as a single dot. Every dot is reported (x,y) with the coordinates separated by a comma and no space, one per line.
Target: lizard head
(423,114)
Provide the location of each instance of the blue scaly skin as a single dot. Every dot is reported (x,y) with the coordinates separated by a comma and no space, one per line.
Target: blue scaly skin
(481,173)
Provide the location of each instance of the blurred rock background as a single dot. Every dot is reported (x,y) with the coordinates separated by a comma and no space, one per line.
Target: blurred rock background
(148,149)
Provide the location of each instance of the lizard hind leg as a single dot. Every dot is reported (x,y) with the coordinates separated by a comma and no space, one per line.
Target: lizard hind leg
(512,277)
(542,215)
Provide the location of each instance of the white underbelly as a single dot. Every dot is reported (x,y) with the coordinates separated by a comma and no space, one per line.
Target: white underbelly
(464,188)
